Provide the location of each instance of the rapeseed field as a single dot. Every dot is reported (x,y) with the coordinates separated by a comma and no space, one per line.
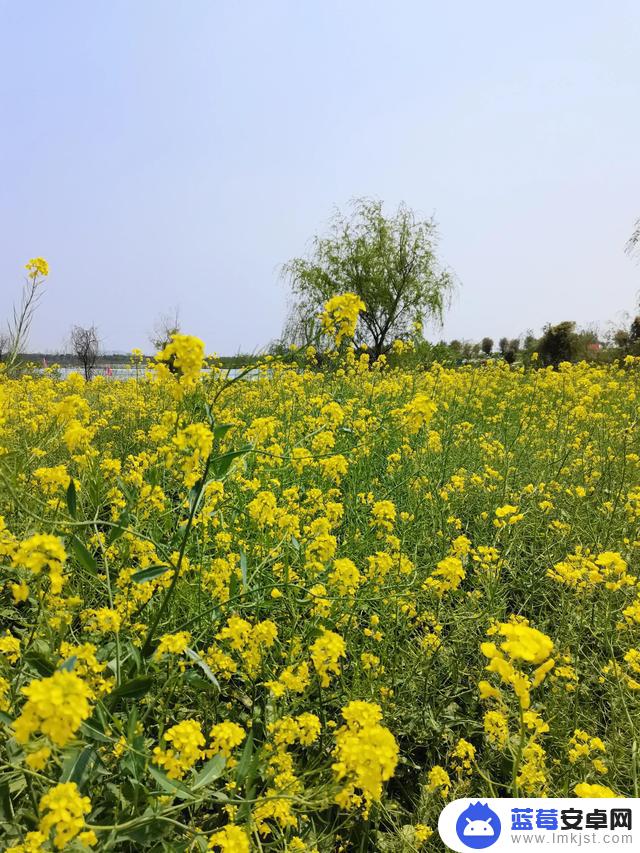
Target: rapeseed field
(301,609)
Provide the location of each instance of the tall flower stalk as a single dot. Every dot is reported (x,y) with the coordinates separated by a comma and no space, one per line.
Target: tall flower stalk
(37,271)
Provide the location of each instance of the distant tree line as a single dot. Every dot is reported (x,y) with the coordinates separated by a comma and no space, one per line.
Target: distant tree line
(558,343)
(391,263)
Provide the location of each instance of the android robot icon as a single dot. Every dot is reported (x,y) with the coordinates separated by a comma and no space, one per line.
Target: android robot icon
(478,826)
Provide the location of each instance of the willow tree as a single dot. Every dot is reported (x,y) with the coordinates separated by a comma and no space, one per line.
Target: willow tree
(389,262)
(633,243)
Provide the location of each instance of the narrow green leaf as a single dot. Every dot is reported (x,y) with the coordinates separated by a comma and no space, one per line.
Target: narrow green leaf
(68,664)
(94,733)
(83,556)
(40,663)
(133,689)
(195,493)
(149,573)
(195,657)
(126,491)
(119,529)
(221,464)
(71,499)
(147,836)
(221,430)
(6,810)
(211,771)
(76,766)
(171,786)
(132,722)
(245,759)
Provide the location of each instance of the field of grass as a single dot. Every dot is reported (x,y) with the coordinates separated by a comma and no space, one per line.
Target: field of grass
(301,611)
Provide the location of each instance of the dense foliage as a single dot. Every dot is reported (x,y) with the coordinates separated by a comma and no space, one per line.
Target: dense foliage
(301,610)
(389,262)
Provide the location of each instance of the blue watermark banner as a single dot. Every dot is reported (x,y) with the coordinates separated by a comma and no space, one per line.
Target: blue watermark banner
(598,825)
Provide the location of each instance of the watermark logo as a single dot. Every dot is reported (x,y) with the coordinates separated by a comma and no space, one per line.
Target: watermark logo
(602,825)
(478,826)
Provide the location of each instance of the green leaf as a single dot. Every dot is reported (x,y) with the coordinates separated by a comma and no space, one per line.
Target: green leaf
(5,718)
(76,765)
(40,663)
(119,529)
(6,811)
(244,764)
(134,655)
(243,568)
(195,494)
(147,836)
(195,681)
(133,689)
(149,573)
(71,499)
(245,776)
(221,464)
(171,786)
(211,771)
(221,430)
(233,585)
(201,843)
(95,734)
(83,556)
(195,657)
(100,716)
(126,491)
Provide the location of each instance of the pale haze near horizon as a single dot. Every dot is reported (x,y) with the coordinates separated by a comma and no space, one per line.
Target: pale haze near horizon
(163,154)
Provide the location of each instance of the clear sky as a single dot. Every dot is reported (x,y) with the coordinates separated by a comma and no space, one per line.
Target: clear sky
(176,152)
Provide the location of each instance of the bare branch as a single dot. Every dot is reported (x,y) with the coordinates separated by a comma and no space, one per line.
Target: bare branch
(85,345)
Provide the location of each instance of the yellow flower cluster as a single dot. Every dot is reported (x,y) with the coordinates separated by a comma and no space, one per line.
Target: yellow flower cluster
(231,839)
(190,449)
(365,753)
(447,576)
(345,576)
(521,645)
(583,571)
(439,781)
(326,653)
(37,267)
(173,644)
(418,413)
(184,356)
(250,641)
(340,316)
(186,741)
(39,552)
(587,791)
(225,737)
(583,747)
(63,810)
(55,706)
(10,647)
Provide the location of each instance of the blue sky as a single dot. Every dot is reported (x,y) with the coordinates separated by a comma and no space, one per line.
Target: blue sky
(177,153)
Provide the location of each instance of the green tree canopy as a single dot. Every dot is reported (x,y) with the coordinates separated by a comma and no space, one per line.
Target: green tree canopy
(389,262)
(558,343)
